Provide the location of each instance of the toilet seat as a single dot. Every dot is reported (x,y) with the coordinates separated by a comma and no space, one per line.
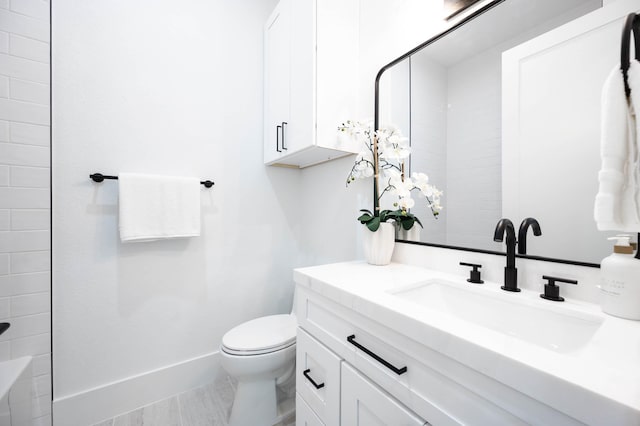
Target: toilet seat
(261,335)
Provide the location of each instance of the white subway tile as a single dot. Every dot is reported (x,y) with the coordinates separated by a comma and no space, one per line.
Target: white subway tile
(5,351)
(41,406)
(4,4)
(29,134)
(24,155)
(41,385)
(23,241)
(35,261)
(5,285)
(29,283)
(4,131)
(25,112)
(4,42)
(4,175)
(39,344)
(28,91)
(29,177)
(4,264)
(30,325)
(4,86)
(4,308)
(25,69)
(38,9)
(24,198)
(28,48)
(24,25)
(30,304)
(5,220)
(41,364)
(29,220)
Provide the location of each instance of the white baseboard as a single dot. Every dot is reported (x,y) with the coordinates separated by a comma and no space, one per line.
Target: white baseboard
(110,400)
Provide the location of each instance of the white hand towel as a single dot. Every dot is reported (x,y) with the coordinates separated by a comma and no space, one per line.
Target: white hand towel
(617,204)
(158,207)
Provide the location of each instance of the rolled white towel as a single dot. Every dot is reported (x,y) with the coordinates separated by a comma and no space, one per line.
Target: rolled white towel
(617,203)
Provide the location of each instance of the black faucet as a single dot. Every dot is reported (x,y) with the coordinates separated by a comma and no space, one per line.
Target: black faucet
(522,233)
(4,326)
(505,226)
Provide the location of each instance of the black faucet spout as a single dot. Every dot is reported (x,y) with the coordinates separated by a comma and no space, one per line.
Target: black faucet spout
(522,233)
(505,227)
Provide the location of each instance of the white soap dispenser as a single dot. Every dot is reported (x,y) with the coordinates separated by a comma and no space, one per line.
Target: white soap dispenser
(620,286)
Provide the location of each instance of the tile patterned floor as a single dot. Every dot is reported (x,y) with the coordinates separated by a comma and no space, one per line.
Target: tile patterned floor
(206,406)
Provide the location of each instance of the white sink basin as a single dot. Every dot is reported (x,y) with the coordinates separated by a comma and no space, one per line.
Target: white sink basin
(511,314)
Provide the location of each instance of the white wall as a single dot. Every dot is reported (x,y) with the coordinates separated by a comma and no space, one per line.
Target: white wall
(24,192)
(157,87)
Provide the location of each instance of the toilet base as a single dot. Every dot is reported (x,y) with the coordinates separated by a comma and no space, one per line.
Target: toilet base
(254,404)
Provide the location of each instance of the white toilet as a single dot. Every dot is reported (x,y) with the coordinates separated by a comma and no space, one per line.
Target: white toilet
(259,353)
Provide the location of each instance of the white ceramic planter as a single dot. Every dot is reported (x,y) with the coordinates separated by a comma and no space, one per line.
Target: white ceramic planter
(378,246)
(412,234)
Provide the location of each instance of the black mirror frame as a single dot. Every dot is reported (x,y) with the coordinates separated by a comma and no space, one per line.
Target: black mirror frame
(376,122)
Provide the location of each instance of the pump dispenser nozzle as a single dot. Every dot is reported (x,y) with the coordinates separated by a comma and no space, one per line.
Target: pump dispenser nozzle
(622,245)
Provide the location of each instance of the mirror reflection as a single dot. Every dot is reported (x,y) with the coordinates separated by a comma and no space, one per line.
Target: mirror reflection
(503,114)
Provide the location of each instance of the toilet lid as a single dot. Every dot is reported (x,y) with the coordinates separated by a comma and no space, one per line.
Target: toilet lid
(262,334)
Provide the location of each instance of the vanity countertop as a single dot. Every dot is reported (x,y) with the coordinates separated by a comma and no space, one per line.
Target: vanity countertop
(598,380)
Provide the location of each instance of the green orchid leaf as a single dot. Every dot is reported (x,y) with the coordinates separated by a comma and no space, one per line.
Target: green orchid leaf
(365,218)
(374,224)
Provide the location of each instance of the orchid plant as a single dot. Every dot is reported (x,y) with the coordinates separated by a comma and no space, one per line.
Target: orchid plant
(383,159)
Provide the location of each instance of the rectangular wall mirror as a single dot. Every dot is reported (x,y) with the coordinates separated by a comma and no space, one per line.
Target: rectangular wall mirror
(503,114)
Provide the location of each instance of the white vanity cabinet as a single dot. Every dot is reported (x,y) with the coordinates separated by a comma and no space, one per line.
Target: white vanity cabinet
(330,392)
(392,378)
(311,51)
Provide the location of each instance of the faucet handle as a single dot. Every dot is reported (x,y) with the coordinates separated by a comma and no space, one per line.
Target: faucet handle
(474,275)
(551,290)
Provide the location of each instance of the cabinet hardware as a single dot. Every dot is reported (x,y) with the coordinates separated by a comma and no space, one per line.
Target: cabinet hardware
(352,339)
(278,127)
(474,275)
(551,290)
(313,382)
(284,123)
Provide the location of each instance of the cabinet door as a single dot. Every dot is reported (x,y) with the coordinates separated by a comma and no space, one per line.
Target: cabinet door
(365,404)
(277,45)
(304,414)
(300,131)
(318,377)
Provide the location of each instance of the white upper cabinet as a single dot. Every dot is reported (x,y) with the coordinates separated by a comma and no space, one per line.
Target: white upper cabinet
(311,51)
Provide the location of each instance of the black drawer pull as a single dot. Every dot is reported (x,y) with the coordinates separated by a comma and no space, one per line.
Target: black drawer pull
(284,124)
(352,339)
(278,127)
(313,382)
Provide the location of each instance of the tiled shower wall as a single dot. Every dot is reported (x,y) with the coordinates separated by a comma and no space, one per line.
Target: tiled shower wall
(25,268)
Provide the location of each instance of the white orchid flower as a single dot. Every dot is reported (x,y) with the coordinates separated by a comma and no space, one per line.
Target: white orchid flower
(392,149)
(405,203)
(398,186)
(395,148)
(421,181)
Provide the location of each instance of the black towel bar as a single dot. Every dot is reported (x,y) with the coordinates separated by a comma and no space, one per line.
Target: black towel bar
(99,177)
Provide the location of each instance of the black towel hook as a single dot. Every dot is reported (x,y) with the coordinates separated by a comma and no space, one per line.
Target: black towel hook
(631,24)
